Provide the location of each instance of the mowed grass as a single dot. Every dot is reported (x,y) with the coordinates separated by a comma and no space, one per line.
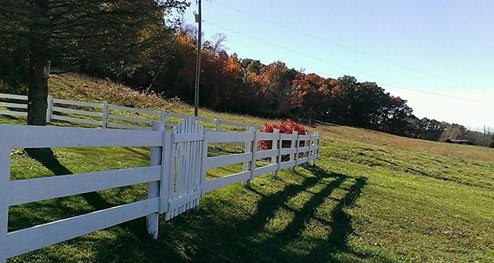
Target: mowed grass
(372,197)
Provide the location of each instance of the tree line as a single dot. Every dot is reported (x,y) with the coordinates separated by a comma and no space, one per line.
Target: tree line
(138,43)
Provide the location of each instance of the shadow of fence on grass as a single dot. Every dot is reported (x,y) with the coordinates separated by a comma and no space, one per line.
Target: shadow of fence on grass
(222,232)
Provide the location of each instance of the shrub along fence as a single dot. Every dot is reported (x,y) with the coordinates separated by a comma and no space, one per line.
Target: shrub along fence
(105,115)
(177,174)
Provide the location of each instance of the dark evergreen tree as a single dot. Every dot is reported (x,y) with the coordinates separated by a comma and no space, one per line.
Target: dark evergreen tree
(102,37)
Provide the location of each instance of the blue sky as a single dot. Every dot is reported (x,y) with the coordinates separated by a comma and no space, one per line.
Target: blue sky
(414,49)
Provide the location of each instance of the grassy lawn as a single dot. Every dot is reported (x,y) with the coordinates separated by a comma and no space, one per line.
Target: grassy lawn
(373,197)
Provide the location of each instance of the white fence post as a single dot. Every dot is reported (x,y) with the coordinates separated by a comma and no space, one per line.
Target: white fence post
(4,206)
(297,144)
(293,145)
(253,163)
(276,145)
(106,111)
(310,149)
(163,117)
(217,128)
(249,148)
(217,123)
(49,109)
(317,142)
(152,221)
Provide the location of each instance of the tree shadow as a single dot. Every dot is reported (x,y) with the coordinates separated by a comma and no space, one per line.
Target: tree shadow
(12,118)
(8,116)
(48,159)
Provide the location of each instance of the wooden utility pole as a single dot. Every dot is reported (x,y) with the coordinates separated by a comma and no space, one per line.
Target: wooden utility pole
(198,17)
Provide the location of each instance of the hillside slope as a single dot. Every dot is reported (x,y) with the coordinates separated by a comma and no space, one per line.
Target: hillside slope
(373,197)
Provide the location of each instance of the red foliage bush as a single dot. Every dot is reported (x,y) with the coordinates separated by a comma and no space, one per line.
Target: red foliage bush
(287,127)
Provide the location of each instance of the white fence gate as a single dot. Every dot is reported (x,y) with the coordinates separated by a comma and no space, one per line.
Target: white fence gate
(176,174)
(185,166)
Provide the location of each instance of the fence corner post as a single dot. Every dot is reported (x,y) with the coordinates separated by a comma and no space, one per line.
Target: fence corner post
(152,220)
(106,111)
(276,144)
(49,109)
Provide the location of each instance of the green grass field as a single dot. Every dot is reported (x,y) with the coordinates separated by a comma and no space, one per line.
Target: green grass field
(373,197)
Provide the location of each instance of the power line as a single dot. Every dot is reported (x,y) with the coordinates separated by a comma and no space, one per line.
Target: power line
(341,66)
(363,53)
(288,49)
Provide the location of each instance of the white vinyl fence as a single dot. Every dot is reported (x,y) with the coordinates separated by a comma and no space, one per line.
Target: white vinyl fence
(106,115)
(177,174)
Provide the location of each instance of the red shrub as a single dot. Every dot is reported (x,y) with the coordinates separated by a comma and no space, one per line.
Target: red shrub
(287,127)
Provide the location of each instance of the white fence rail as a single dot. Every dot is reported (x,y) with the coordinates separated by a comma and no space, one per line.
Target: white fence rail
(16,105)
(177,174)
(105,115)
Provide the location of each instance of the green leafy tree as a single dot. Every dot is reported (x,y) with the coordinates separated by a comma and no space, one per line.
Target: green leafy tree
(97,36)
(429,129)
(397,117)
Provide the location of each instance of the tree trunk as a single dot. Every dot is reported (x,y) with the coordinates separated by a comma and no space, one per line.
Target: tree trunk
(38,60)
(310,114)
(37,94)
